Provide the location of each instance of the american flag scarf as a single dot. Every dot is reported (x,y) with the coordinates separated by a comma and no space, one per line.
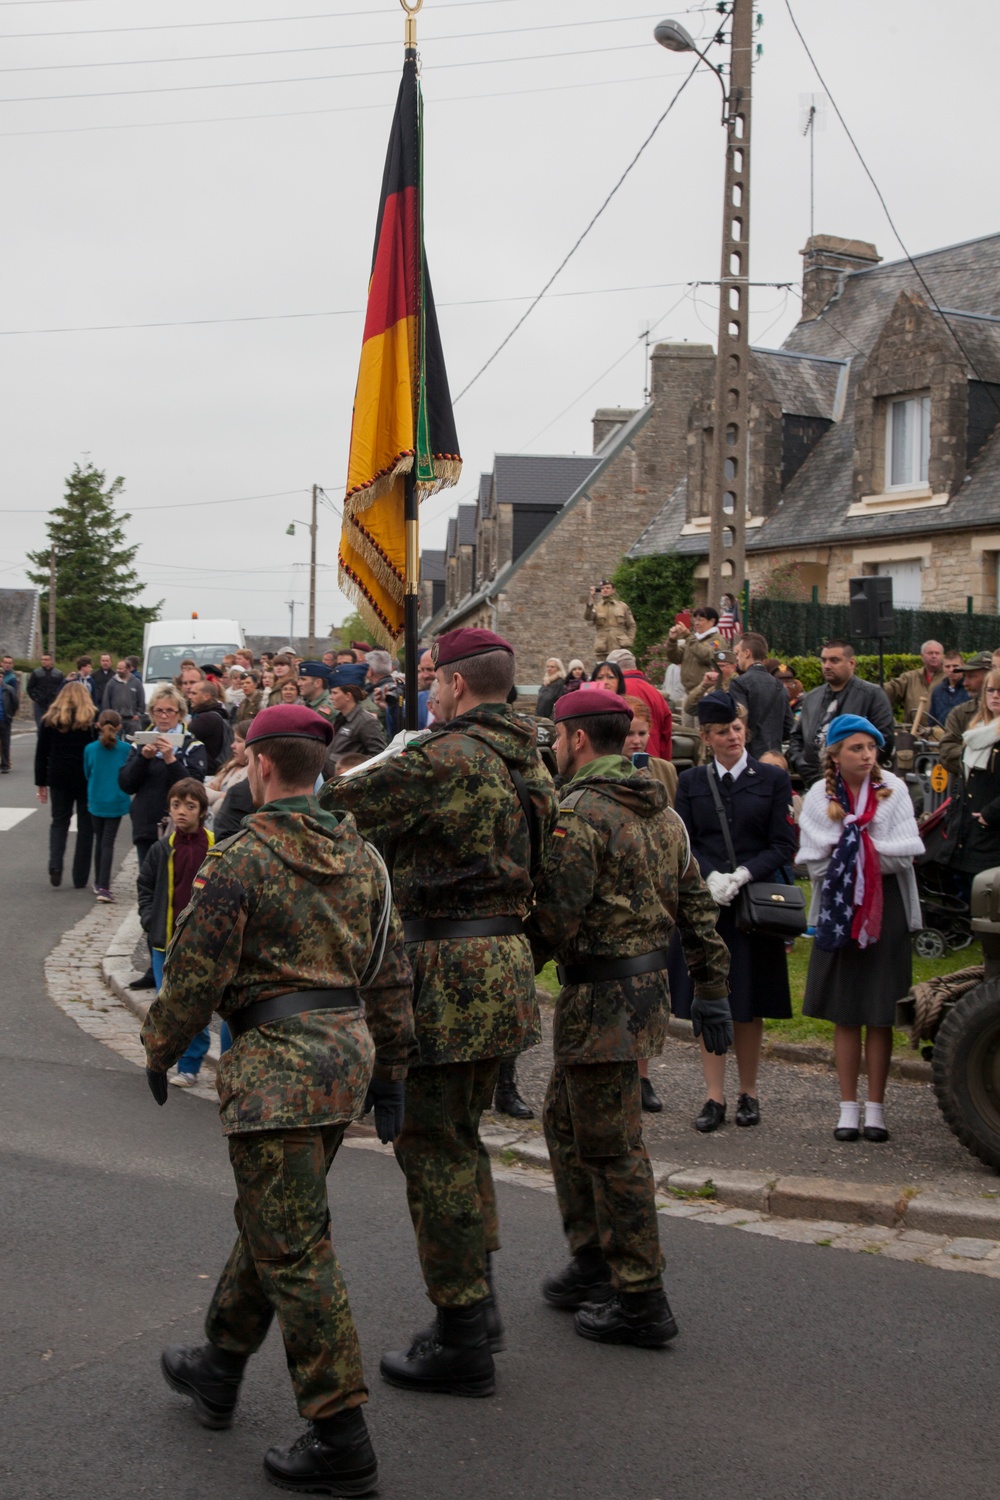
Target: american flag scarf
(850,907)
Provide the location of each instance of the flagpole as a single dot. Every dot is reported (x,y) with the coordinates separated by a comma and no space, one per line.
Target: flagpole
(411,598)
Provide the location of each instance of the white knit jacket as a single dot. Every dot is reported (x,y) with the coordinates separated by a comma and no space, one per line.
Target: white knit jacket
(893,829)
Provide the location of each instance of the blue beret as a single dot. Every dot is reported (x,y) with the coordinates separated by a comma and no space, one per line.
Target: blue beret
(348,674)
(717,708)
(845,725)
(315,669)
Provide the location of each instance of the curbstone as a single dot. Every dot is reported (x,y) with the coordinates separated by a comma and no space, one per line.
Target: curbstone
(735,1189)
(825,1197)
(937,1213)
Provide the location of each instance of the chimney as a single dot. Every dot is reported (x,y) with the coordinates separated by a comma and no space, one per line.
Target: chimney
(608,419)
(825,260)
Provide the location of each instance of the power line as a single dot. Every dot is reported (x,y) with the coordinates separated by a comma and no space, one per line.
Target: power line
(253,83)
(339,312)
(458,36)
(528,311)
(37,510)
(885,208)
(340,109)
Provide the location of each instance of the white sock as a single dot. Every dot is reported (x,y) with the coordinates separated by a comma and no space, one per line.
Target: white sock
(875,1114)
(850,1114)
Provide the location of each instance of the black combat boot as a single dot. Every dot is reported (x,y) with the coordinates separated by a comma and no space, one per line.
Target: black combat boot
(491,1313)
(587,1278)
(642,1318)
(210,1376)
(334,1456)
(455,1360)
(506,1099)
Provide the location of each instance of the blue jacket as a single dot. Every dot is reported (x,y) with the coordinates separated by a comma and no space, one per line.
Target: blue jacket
(944,698)
(105,798)
(761,820)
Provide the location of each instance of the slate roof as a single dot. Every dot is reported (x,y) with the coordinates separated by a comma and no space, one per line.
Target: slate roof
(19,623)
(548,479)
(467,515)
(432,566)
(807,385)
(485,485)
(451,540)
(965,280)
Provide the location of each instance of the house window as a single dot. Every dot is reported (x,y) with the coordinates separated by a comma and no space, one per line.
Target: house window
(907,441)
(906,583)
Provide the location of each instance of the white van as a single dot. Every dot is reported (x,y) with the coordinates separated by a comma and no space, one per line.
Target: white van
(165,644)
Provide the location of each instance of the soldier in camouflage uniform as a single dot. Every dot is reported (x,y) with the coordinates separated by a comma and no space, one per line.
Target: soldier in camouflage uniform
(288,920)
(448,815)
(618,880)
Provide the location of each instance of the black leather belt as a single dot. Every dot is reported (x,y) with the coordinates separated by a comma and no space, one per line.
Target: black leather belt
(295,1003)
(596,970)
(430,929)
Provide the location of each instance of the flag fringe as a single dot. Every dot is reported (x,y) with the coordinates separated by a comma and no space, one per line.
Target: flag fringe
(354,589)
(389,576)
(447,471)
(363,496)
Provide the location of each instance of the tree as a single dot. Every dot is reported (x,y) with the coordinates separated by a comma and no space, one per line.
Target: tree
(95,580)
(351,628)
(655,589)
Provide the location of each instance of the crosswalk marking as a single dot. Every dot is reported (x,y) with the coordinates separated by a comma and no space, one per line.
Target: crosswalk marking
(11,816)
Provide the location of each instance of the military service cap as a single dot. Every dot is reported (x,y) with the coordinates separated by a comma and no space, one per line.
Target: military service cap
(456,645)
(289,721)
(348,674)
(724,657)
(316,669)
(980,661)
(586,702)
(717,708)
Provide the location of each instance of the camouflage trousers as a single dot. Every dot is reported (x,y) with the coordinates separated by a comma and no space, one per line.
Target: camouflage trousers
(449,1186)
(604,1183)
(283,1263)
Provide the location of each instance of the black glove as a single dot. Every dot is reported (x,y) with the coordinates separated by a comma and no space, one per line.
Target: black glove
(387,1101)
(712,1020)
(157,1085)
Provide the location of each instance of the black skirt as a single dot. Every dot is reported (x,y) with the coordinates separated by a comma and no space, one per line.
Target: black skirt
(758,974)
(860,986)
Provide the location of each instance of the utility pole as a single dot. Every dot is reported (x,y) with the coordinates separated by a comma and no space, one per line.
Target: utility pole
(312,575)
(52,602)
(730,426)
(291,624)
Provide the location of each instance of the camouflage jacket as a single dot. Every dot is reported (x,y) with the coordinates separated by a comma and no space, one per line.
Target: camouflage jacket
(288,903)
(619,879)
(446,816)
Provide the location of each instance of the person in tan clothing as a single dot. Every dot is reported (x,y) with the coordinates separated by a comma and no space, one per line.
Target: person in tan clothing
(695,650)
(909,687)
(613,620)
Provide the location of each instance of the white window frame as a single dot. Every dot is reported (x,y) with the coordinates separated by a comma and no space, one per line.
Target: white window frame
(918,443)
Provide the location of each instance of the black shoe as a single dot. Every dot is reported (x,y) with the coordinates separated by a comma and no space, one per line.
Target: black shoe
(712,1116)
(650,1099)
(586,1279)
(4,770)
(334,1456)
(747,1110)
(506,1099)
(210,1376)
(491,1313)
(846,1133)
(144,982)
(55,877)
(642,1318)
(455,1361)
(875,1133)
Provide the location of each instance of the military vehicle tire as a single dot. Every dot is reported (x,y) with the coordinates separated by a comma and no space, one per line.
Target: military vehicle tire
(966,1071)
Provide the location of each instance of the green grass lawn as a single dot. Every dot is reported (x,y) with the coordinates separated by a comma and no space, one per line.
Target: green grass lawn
(803,1028)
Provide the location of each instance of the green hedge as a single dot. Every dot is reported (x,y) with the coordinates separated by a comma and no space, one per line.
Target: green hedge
(807,668)
(800,629)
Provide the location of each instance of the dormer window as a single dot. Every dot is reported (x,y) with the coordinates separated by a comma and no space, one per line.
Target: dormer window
(907,440)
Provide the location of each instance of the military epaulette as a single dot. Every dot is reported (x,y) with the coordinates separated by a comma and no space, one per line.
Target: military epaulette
(228,843)
(568,804)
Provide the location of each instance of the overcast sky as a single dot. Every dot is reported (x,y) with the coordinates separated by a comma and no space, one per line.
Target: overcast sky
(214,166)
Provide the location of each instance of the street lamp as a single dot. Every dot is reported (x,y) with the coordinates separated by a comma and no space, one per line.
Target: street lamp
(730,434)
(312,528)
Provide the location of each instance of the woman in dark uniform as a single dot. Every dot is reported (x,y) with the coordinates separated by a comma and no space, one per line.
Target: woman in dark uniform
(758,804)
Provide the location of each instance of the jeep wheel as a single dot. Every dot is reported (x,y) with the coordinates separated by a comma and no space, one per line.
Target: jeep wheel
(966,1071)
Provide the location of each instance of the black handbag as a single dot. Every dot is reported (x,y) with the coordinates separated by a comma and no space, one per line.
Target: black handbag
(772,910)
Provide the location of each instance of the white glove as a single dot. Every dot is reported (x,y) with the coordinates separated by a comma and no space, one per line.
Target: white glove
(742,877)
(721,887)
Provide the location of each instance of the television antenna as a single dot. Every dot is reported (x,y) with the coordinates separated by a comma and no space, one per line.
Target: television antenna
(812,117)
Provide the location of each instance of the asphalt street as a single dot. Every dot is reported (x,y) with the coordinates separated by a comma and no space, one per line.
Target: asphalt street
(799,1372)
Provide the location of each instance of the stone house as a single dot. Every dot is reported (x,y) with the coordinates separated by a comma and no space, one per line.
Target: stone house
(545,528)
(20,624)
(872,441)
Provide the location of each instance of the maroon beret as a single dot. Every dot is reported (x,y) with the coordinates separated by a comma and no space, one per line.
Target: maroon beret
(289,721)
(458,644)
(587,701)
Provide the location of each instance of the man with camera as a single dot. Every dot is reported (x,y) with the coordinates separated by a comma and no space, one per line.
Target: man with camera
(611,617)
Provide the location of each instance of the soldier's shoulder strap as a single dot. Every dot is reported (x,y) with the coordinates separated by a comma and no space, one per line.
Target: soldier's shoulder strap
(227,843)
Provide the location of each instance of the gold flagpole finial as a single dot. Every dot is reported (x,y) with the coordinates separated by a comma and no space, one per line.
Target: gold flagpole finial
(411,23)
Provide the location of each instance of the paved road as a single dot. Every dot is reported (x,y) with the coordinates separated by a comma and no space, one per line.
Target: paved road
(800,1372)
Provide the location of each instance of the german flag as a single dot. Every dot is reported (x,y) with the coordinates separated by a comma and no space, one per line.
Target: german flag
(403,420)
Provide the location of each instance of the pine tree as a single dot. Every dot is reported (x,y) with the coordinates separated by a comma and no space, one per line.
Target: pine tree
(95,578)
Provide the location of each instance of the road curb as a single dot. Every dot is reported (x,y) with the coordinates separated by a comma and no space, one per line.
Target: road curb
(894,1206)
